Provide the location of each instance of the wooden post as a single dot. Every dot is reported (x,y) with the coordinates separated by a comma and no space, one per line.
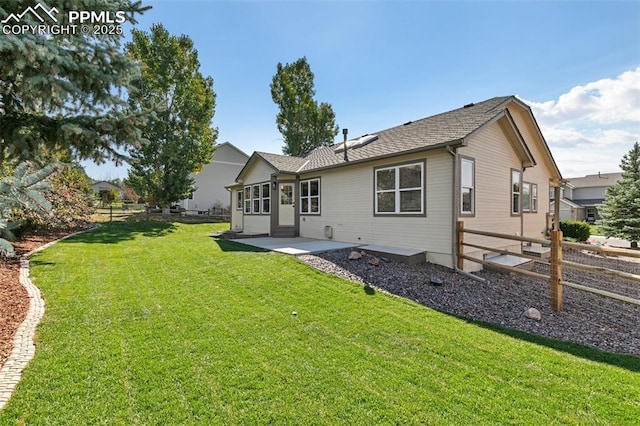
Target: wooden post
(111,213)
(556,270)
(460,260)
(556,208)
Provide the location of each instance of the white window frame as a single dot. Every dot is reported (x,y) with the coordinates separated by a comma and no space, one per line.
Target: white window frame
(526,197)
(517,211)
(534,198)
(472,188)
(397,190)
(309,197)
(255,200)
(239,199)
(265,197)
(247,199)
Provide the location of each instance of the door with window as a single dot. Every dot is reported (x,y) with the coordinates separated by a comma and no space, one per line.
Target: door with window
(286,210)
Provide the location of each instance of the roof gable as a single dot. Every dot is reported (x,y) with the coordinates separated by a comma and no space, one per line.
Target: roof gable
(232,147)
(595,181)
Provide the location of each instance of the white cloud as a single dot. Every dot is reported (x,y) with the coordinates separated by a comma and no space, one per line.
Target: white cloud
(591,127)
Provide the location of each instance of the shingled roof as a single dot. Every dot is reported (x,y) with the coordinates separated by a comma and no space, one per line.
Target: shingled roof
(448,128)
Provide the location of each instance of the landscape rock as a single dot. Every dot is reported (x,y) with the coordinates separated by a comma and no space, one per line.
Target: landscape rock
(374,261)
(533,313)
(436,281)
(354,255)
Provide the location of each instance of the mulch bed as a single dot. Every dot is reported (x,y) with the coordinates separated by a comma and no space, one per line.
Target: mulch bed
(14,301)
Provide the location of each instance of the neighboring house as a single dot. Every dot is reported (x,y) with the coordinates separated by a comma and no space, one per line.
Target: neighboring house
(101,185)
(486,164)
(210,183)
(580,197)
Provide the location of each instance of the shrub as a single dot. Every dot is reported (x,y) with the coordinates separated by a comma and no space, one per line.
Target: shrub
(575,229)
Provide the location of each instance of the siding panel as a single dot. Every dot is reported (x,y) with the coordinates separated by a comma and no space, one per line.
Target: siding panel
(347,205)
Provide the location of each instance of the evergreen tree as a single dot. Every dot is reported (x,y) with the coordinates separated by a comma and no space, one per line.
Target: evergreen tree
(303,123)
(179,136)
(620,212)
(62,92)
(20,191)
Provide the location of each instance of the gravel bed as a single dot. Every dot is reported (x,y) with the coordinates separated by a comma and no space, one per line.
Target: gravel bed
(586,318)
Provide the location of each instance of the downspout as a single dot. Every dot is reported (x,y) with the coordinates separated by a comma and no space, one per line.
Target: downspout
(522,202)
(454,210)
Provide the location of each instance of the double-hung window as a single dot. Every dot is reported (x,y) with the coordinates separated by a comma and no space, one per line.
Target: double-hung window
(526,197)
(255,198)
(529,197)
(467,186)
(516,192)
(266,198)
(310,196)
(239,199)
(247,200)
(400,189)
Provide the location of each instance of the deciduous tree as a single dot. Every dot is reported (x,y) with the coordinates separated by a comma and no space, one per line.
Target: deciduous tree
(303,123)
(180,139)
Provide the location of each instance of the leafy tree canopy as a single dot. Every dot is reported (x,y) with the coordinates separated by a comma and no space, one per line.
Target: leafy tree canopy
(180,139)
(620,212)
(64,91)
(303,123)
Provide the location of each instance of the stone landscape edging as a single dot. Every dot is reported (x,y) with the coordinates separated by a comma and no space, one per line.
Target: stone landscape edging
(23,341)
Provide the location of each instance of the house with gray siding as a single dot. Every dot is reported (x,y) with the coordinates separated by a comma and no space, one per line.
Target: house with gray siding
(581,196)
(406,187)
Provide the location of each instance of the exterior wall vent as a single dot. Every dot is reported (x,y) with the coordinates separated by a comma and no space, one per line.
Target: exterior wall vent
(328,232)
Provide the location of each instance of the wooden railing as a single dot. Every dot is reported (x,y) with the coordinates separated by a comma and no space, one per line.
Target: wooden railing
(556,263)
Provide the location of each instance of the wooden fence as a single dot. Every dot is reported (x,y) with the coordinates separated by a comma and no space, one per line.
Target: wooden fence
(556,263)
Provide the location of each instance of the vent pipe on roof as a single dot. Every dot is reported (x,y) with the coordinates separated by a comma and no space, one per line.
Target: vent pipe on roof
(345,132)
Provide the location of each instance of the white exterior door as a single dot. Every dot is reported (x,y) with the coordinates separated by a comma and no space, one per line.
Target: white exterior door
(286,211)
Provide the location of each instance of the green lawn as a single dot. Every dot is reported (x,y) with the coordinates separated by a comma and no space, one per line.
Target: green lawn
(157,323)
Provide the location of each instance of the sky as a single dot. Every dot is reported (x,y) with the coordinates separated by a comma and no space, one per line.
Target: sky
(383,63)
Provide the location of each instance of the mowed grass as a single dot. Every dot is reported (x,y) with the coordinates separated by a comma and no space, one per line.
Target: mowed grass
(156,323)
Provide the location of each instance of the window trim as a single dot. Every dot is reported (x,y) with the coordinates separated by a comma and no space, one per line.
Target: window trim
(471,213)
(250,199)
(519,193)
(310,197)
(247,199)
(526,197)
(266,185)
(239,199)
(534,198)
(397,190)
(255,199)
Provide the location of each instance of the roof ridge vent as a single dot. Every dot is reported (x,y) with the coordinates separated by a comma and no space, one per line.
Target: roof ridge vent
(407,123)
(468,105)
